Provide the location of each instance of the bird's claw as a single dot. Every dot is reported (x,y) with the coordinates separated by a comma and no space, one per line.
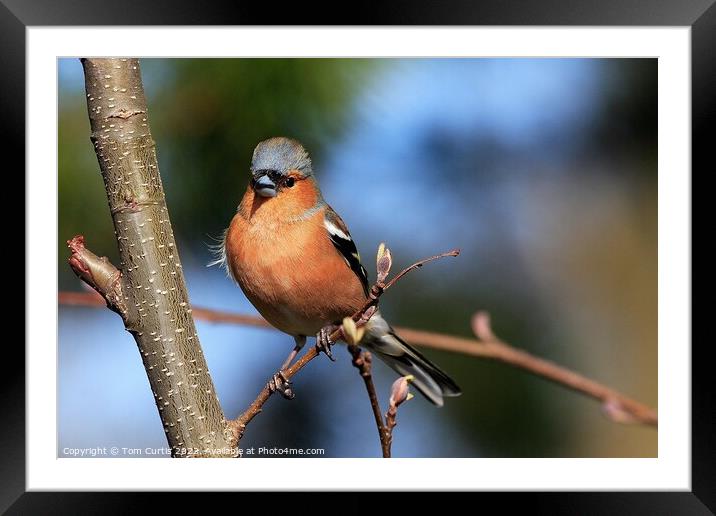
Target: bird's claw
(324,343)
(279,383)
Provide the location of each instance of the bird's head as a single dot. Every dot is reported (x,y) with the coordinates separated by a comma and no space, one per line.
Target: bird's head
(278,166)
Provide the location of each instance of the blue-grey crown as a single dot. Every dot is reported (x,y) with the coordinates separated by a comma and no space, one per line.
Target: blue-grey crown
(281,154)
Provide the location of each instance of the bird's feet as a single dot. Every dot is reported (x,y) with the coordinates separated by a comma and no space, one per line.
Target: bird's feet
(279,383)
(323,341)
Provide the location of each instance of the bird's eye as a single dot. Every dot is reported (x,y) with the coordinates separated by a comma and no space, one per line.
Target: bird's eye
(290,181)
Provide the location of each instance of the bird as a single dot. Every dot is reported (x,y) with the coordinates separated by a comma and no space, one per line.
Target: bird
(295,260)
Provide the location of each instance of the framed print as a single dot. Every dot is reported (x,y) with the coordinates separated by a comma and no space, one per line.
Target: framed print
(302,228)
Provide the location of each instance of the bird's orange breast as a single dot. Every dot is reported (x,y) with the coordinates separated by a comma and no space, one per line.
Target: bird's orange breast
(288,268)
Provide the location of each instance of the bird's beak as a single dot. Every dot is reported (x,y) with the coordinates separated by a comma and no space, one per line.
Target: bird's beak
(264,186)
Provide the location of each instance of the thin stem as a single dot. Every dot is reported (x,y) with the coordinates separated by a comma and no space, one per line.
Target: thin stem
(611,399)
(237,427)
(417,265)
(362,360)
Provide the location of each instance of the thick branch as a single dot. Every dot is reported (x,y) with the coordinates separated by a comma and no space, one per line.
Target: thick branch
(150,291)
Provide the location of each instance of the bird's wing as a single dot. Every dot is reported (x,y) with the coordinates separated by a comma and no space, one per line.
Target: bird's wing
(341,238)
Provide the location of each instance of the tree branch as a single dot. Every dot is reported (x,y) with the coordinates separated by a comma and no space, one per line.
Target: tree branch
(502,352)
(99,274)
(615,405)
(237,426)
(90,299)
(362,360)
(147,288)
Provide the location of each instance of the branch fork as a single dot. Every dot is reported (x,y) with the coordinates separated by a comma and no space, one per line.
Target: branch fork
(350,331)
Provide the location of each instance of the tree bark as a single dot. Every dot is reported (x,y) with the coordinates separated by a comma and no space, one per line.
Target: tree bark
(155,306)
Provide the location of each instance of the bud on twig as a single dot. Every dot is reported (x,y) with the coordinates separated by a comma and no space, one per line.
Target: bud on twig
(98,273)
(384,262)
(482,327)
(614,411)
(367,314)
(352,333)
(399,391)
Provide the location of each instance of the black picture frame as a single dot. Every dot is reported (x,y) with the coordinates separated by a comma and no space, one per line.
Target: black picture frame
(17,15)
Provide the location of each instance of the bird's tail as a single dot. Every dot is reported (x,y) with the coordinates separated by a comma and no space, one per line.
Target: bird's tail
(430,380)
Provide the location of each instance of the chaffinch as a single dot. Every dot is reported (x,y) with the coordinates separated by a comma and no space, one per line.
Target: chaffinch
(295,260)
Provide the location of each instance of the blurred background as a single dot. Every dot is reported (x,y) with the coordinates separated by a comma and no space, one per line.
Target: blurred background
(543,171)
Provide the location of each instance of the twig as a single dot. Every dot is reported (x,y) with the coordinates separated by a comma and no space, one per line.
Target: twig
(98,273)
(615,405)
(500,351)
(362,360)
(399,393)
(416,265)
(237,427)
(92,299)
